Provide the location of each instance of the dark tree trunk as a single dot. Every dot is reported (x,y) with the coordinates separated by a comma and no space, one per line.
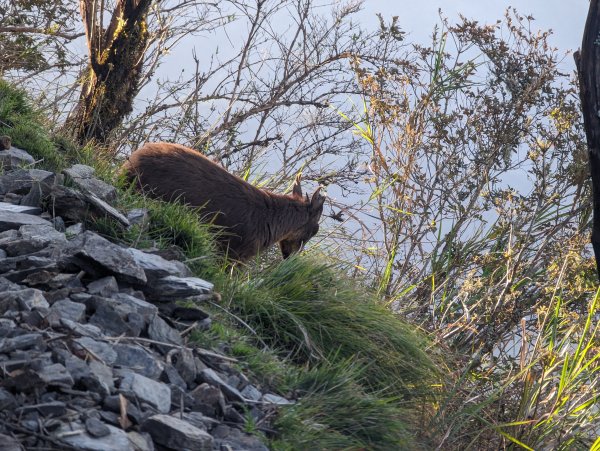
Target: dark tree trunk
(588,67)
(115,62)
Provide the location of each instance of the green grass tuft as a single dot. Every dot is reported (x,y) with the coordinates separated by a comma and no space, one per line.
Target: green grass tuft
(312,311)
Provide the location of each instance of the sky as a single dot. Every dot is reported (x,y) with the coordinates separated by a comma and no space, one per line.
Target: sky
(417,17)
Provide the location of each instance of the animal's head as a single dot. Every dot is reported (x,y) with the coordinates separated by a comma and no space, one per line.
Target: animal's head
(295,240)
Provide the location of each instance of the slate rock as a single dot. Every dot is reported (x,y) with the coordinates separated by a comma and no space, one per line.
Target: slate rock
(78,207)
(115,440)
(105,286)
(183,360)
(140,442)
(208,399)
(138,216)
(14,158)
(109,321)
(20,181)
(7,400)
(48,409)
(270,398)
(154,393)
(83,330)
(98,349)
(96,428)
(56,375)
(83,177)
(25,341)
(26,299)
(251,392)
(173,287)
(139,360)
(177,434)
(99,253)
(234,439)
(8,443)
(4,206)
(210,376)
(74,230)
(66,309)
(11,220)
(156,267)
(159,330)
(100,379)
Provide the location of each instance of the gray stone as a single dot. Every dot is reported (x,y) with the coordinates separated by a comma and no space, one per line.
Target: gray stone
(208,399)
(101,253)
(159,330)
(270,398)
(251,392)
(56,375)
(20,181)
(154,393)
(101,378)
(4,206)
(234,439)
(8,443)
(66,309)
(134,304)
(138,216)
(140,442)
(139,360)
(156,267)
(97,349)
(184,362)
(46,234)
(78,207)
(83,177)
(109,321)
(177,434)
(74,230)
(25,341)
(84,330)
(11,220)
(173,287)
(96,428)
(105,286)
(26,299)
(116,440)
(7,400)
(14,158)
(210,376)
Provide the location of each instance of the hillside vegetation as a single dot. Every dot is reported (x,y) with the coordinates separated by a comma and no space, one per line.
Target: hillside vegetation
(363,377)
(450,300)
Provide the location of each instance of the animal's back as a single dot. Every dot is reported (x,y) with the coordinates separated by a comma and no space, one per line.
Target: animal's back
(176,173)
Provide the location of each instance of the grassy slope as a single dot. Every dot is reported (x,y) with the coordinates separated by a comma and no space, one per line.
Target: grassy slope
(299,326)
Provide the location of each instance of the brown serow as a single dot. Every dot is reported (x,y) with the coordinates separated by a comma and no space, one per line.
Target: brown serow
(253,219)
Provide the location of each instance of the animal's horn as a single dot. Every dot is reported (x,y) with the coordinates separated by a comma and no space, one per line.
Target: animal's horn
(297,189)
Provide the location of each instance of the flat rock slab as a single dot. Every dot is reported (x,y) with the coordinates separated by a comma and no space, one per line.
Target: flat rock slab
(154,393)
(177,434)
(13,220)
(21,181)
(83,177)
(108,256)
(173,287)
(75,435)
(156,267)
(5,206)
(14,158)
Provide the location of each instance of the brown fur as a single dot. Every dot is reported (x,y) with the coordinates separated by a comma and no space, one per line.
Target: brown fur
(254,219)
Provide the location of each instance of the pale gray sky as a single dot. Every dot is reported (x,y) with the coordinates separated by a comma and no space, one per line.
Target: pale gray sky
(565,17)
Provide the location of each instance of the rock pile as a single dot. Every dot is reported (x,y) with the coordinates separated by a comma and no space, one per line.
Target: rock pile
(86,361)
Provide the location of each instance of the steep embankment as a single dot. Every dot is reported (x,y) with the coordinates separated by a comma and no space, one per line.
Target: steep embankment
(104,346)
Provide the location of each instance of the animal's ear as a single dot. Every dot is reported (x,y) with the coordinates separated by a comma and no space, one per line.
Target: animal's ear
(317,200)
(297,189)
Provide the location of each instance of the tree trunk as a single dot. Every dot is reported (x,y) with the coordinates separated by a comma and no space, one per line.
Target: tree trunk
(115,62)
(588,67)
